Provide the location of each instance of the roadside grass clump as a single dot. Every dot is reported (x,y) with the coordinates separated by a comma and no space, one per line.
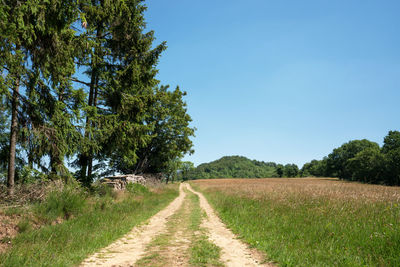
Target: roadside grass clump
(103,191)
(71,241)
(24,225)
(305,228)
(70,201)
(14,210)
(137,189)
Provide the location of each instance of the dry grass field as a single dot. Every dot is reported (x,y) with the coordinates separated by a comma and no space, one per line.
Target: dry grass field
(311,221)
(330,188)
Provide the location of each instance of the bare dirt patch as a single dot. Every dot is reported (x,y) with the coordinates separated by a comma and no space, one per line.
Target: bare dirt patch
(8,230)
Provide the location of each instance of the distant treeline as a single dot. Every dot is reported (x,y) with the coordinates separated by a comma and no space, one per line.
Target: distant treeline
(357,160)
(242,167)
(361,160)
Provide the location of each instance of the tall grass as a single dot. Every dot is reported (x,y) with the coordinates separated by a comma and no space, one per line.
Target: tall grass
(97,226)
(298,229)
(70,201)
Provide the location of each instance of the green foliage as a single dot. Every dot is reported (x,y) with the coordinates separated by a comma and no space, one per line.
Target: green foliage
(29,175)
(337,160)
(110,121)
(290,170)
(236,167)
(392,167)
(69,201)
(170,134)
(317,168)
(361,160)
(391,141)
(367,166)
(185,169)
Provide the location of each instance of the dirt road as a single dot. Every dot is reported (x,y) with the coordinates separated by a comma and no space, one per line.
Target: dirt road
(187,232)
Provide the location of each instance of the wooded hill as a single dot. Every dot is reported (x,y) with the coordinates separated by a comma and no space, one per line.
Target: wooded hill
(241,167)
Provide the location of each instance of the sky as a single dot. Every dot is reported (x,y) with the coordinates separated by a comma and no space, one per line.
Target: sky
(279,80)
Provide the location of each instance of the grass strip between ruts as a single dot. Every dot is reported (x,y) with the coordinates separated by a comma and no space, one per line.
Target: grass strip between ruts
(202,251)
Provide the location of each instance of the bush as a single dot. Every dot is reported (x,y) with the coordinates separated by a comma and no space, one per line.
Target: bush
(137,189)
(65,203)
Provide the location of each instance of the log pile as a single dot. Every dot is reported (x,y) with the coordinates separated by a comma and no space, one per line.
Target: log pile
(119,182)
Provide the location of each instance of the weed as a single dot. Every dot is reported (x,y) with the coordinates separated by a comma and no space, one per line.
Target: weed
(24,225)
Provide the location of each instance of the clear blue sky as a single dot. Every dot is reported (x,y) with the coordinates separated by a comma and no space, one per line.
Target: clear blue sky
(282,81)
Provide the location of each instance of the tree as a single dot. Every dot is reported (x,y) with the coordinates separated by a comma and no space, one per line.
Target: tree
(367,166)
(290,170)
(279,170)
(186,168)
(391,151)
(171,132)
(337,160)
(391,141)
(16,33)
(171,171)
(37,56)
(317,168)
(121,67)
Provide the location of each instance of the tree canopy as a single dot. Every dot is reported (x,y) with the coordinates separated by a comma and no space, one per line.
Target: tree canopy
(361,160)
(78,84)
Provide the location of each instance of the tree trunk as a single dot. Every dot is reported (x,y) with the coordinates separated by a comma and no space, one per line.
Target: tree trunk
(13,139)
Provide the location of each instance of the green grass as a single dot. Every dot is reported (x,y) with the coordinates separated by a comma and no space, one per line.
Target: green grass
(70,242)
(305,231)
(202,251)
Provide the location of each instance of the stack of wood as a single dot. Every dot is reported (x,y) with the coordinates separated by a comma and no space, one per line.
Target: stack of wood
(119,182)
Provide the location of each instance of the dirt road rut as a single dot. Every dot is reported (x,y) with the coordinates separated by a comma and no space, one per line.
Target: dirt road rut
(133,247)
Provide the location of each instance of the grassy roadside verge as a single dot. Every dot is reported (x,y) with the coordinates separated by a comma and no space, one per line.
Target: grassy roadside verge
(70,242)
(300,230)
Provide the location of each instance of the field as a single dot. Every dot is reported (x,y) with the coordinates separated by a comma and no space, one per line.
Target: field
(311,221)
